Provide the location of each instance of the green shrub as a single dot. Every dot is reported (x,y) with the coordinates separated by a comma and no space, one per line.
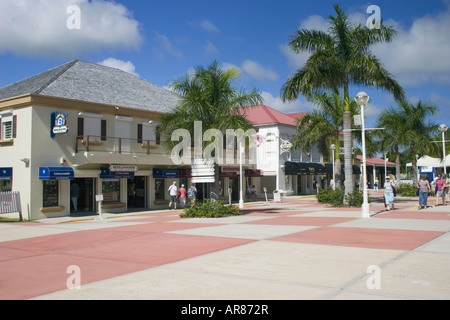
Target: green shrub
(210,209)
(406,190)
(336,197)
(356,198)
(332,197)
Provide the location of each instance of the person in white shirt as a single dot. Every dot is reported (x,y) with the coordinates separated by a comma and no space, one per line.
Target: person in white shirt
(173,195)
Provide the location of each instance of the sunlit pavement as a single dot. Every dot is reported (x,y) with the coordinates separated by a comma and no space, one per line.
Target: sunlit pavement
(298,249)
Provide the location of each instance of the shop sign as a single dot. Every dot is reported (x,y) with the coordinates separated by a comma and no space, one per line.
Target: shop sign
(58,124)
(123,168)
(165,173)
(107,174)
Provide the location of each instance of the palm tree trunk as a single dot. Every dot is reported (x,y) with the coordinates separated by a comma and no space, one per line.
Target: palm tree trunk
(348,143)
(348,146)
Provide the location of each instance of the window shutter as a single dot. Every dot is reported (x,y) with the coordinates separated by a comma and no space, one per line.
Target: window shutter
(139,133)
(158,136)
(1,137)
(103,130)
(80,131)
(14,127)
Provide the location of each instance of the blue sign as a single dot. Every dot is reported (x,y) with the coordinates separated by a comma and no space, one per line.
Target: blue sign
(107,174)
(56,173)
(6,173)
(165,173)
(58,124)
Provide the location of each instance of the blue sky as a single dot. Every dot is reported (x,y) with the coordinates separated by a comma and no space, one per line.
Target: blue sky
(160,40)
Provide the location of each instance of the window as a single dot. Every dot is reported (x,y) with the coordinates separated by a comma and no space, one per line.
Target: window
(50,193)
(159,189)
(5,185)
(111,191)
(93,126)
(8,127)
(147,131)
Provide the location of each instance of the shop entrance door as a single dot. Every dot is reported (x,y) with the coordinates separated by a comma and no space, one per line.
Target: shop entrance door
(234,185)
(82,198)
(136,192)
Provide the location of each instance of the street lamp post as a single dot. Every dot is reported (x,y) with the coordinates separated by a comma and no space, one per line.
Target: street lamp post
(443,128)
(362,99)
(241,193)
(333,147)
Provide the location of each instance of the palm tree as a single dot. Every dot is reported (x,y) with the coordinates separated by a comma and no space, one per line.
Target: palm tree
(324,127)
(208,96)
(338,59)
(407,126)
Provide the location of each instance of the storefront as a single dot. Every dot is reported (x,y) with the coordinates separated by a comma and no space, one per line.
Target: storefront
(308,175)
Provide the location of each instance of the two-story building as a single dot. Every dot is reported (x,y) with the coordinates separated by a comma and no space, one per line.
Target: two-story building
(281,167)
(79,130)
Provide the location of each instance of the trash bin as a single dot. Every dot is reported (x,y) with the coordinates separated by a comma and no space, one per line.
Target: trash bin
(278,196)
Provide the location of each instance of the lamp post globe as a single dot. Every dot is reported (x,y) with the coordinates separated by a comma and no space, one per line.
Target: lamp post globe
(362,98)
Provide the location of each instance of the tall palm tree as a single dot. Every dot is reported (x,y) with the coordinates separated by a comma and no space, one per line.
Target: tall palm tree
(324,127)
(208,96)
(407,126)
(338,59)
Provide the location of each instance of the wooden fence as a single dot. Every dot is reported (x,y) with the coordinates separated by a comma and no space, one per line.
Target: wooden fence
(10,203)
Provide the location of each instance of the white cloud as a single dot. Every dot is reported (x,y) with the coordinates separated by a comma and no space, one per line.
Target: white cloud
(206,25)
(419,55)
(259,72)
(39,28)
(277,103)
(210,49)
(209,26)
(126,66)
(166,47)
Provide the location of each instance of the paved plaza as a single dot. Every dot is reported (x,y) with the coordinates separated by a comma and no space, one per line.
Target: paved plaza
(298,249)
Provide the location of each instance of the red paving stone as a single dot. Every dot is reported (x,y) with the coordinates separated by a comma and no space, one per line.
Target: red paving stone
(303,221)
(415,215)
(362,237)
(37,266)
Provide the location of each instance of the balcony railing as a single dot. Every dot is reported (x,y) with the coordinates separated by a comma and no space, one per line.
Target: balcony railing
(117,145)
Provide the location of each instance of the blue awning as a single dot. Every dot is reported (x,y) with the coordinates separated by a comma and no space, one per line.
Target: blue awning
(165,173)
(56,173)
(5,173)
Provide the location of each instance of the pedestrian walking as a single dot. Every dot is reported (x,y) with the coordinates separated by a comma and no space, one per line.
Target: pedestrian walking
(389,194)
(192,194)
(376,184)
(440,193)
(182,194)
(446,187)
(173,195)
(424,189)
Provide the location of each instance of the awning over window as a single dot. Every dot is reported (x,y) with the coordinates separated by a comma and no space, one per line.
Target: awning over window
(56,173)
(5,173)
(253,173)
(329,168)
(304,168)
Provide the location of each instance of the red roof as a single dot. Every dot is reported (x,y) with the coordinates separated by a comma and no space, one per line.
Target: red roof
(297,115)
(375,161)
(261,114)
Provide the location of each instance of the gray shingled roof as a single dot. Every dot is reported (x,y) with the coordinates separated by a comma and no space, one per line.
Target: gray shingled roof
(90,82)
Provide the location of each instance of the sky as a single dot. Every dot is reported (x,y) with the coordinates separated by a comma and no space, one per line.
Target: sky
(162,40)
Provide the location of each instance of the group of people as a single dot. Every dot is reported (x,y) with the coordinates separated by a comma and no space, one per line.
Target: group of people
(181,194)
(424,187)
